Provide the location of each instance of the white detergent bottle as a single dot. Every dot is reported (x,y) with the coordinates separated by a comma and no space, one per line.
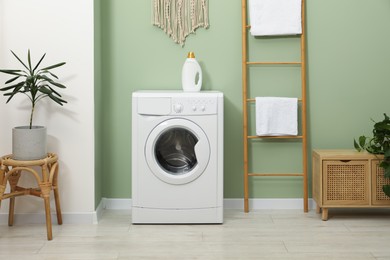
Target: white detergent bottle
(191,75)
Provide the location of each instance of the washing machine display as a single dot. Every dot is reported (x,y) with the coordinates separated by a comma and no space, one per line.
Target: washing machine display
(177,157)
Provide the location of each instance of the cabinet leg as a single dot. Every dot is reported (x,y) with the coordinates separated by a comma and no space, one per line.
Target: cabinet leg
(324,214)
(318,209)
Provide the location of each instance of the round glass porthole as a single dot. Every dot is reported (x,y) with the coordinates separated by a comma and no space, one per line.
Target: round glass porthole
(175,151)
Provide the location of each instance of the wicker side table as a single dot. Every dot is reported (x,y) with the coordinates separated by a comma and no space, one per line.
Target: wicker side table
(10,172)
(348,179)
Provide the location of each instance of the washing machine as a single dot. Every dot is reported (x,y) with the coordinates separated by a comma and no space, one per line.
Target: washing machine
(177,157)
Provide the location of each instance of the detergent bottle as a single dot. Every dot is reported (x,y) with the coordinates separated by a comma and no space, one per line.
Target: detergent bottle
(191,75)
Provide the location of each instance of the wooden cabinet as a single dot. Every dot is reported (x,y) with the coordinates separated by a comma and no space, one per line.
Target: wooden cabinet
(347,178)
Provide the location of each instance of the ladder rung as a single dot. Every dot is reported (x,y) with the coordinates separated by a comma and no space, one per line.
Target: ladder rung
(276,174)
(275,137)
(273,62)
(254,100)
(248,26)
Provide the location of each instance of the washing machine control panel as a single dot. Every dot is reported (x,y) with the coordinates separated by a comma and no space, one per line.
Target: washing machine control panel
(194,106)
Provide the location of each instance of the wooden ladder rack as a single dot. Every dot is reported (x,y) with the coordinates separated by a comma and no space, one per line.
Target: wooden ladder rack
(247,100)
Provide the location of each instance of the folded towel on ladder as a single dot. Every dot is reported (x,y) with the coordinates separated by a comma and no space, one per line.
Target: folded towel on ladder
(275,17)
(276,116)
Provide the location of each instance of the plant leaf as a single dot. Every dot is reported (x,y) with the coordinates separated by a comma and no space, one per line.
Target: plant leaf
(382,126)
(54,92)
(52,74)
(386,190)
(387,172)
(49,80)
(16,90)
(39,62)
(29,60)
(54,66)
(362,141)
(45,90)
(57,100)
(384,164)
(57,84)
(19,60)
(12,80)
(44,77)
(357,147)
(13,86)
(12,72)
(386,117)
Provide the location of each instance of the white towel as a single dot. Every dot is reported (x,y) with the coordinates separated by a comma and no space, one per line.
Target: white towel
(275,17)
(276,116)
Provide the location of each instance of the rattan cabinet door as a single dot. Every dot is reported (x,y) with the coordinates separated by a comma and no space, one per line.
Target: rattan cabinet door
(378,180)
(345,183)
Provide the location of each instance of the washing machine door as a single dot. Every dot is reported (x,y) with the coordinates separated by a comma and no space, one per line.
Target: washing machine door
(177,151)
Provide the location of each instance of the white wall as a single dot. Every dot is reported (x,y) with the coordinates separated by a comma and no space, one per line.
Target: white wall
(63,29)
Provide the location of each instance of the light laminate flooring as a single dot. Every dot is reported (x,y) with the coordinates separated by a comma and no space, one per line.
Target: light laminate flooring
(275,234)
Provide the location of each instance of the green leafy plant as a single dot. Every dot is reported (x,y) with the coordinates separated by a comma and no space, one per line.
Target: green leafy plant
(378,144)
(34,82)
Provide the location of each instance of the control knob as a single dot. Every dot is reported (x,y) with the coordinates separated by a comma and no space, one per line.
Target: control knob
(178,108)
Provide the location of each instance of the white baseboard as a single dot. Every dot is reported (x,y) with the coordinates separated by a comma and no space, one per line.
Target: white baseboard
(227,203)
(40,218)
(257,204)
(125,204)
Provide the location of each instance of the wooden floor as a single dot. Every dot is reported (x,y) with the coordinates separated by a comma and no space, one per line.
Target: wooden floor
(277,234)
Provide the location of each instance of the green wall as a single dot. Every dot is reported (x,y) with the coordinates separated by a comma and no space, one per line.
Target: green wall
(348,76)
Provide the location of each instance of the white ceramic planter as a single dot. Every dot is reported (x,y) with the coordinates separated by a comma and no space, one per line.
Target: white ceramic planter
(29,144)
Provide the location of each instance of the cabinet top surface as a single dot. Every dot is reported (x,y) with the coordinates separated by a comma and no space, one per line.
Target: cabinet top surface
(346,153)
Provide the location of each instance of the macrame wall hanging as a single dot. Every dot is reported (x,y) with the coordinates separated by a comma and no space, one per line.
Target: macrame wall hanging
(179,18)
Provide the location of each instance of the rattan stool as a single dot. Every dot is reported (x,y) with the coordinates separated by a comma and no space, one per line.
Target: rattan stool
(10,171)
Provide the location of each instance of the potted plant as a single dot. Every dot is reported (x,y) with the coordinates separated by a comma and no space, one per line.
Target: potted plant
(378,144)
(29,142)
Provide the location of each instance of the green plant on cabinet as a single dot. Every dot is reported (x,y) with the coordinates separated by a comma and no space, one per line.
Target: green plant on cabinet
(378,144)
